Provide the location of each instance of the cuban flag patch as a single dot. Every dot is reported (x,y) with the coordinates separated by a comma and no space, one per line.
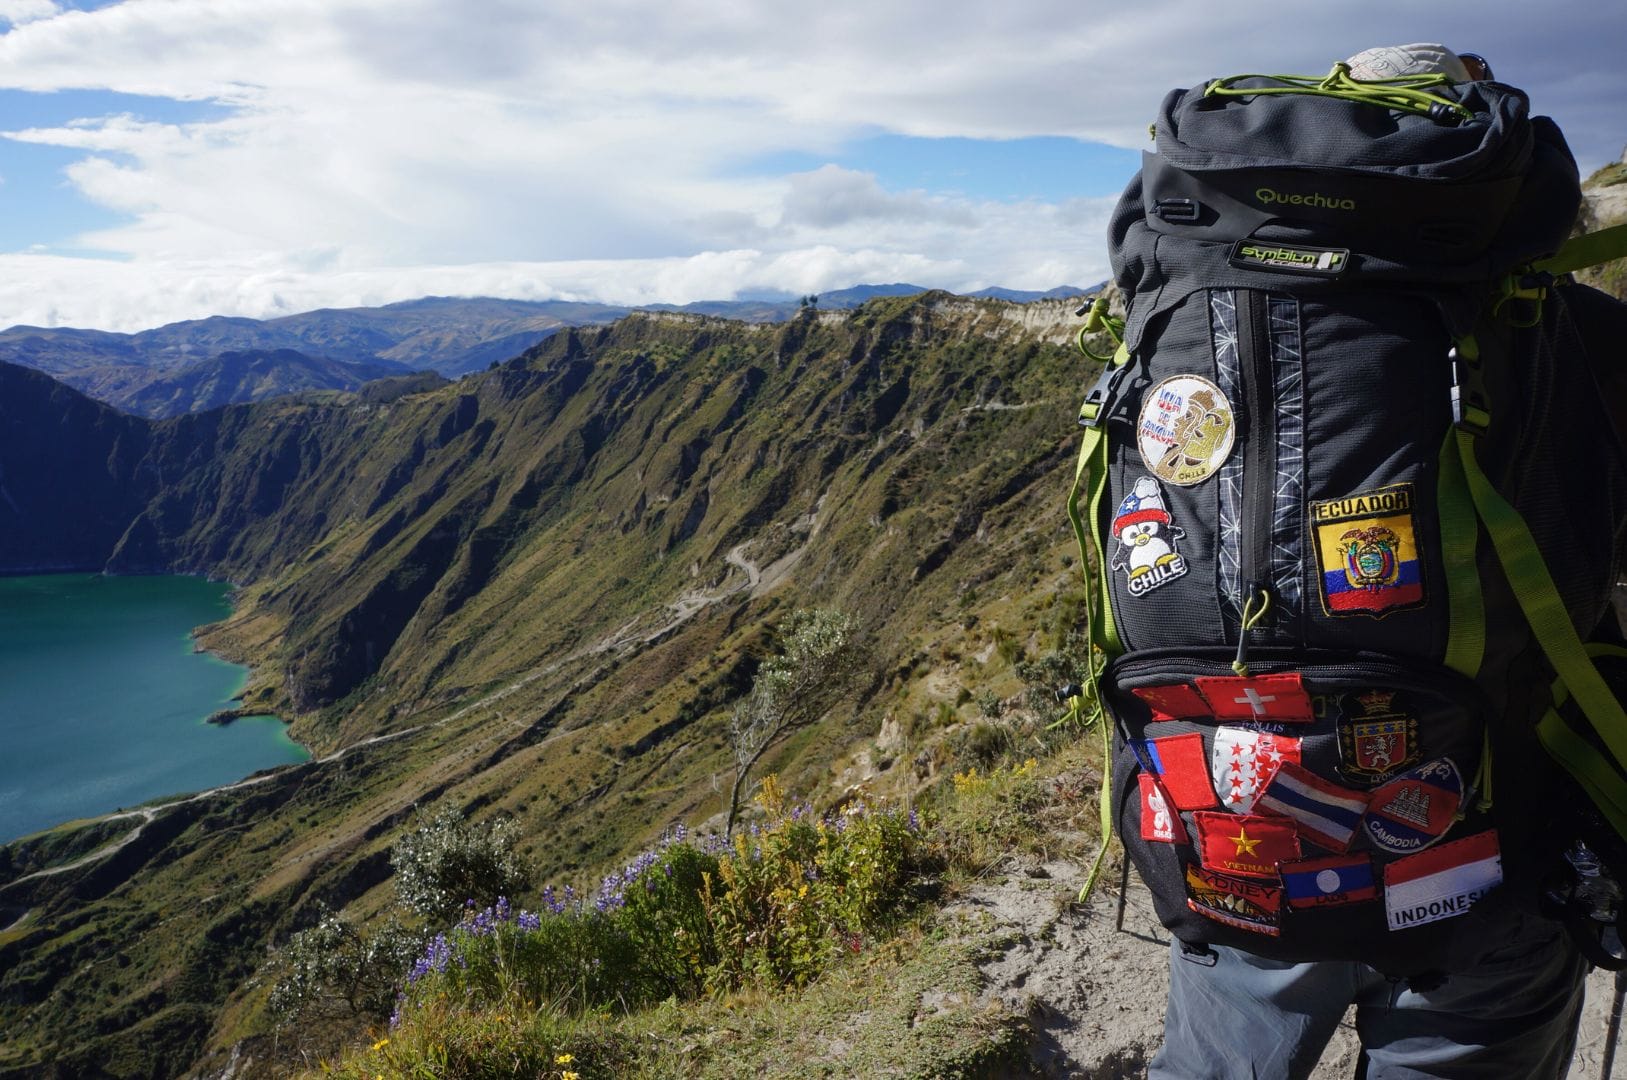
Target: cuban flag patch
(1159,821)
(1443,882)
(1239,902)
(1330,881)
(1179,763)
(1328,814)
(1248,844)
(1243,762)
(1414,810)
(1263,698)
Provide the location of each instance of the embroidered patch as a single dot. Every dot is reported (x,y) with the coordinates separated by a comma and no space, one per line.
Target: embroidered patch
(1243,761)
(1328,882)
(1248,844)
(1367,551)
(1146,536)
(1247,905)
(1327,814)
(1174,702)
(1186,430)
(1377,738)
(1413,811)
(1257,697)
(1442,883)
(1323,262)
(1179,763)
(1159,821)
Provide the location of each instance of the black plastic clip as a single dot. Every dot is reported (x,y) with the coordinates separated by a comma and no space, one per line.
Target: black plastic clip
(1177,211)
(1101,396)
(1471,408)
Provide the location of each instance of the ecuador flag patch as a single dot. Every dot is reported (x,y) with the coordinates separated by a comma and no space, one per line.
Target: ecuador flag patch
(1367,552)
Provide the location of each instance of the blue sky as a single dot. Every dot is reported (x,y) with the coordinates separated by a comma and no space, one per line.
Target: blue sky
(168,159)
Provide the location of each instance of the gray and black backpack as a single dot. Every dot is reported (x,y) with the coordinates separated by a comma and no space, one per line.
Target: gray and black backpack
(1355,504)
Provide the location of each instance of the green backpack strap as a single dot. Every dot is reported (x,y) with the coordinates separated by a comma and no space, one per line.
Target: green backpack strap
(1601,777)
(1589,249)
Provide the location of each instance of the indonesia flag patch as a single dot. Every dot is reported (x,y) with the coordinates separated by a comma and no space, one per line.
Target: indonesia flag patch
(1442,882)
(1328,882)
(1243,762)
(1327,813)
(1178,760)
(1257,697)
(1159,821)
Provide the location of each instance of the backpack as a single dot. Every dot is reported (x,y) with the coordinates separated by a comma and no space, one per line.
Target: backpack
(1356,505)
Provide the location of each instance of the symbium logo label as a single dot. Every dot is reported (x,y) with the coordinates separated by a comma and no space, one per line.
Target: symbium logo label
(1315,199)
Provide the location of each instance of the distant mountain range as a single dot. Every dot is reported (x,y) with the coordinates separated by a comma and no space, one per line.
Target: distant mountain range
(205,363)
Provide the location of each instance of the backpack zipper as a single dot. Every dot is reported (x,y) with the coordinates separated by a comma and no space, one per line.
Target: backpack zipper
(1259,465)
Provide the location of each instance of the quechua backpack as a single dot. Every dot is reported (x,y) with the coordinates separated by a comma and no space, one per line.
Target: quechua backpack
(1350,425)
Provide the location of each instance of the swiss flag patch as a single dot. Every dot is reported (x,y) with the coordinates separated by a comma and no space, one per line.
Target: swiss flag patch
(1247,844)
(1257,697)
(1159,820)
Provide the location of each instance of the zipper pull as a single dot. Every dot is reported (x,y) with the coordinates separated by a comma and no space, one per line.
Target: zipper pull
(1255,609)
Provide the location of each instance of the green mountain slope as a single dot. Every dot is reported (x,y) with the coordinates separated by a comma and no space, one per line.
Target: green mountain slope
(532,593)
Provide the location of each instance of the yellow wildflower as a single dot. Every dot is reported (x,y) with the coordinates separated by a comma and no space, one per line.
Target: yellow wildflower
(569,1075)
(382,1043)
(563,1059)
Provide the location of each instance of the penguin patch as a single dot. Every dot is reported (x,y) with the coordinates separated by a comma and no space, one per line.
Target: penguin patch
(1186,430)
(1146,536)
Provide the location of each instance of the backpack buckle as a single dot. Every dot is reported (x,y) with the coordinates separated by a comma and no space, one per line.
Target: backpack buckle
(1178,211)
(1099,402)
(1471,408)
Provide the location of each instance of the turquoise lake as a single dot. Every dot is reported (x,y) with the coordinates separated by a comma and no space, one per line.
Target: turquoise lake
(103,701)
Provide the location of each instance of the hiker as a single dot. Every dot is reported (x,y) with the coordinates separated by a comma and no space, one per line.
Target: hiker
(1349,454)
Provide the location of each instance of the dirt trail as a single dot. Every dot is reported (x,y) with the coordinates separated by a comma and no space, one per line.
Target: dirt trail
(1095,994)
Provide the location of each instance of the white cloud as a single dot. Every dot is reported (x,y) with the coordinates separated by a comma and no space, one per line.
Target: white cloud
(602,140)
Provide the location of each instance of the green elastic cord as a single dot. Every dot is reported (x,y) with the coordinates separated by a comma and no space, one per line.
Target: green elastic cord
(1466,636)
(1097,321)
(1551,625)
(1410,93)
(1252,617)
(1590,249)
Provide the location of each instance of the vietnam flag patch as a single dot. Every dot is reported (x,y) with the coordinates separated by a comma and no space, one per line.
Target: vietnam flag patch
(1264,698)
(1247,844)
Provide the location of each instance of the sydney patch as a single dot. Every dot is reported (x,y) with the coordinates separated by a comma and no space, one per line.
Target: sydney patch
(1367,552)
(1239,902)
(1413,811)
(1186,430)
(1243,762)
(1145,536)
(1442,883)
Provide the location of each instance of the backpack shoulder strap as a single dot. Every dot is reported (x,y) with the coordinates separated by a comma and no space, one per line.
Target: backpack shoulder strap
(1589,249)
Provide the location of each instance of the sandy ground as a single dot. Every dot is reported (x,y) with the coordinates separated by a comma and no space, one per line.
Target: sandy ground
(1095,994)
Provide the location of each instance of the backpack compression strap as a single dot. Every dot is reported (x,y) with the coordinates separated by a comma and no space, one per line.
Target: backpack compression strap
(1589,249)
(1600,776)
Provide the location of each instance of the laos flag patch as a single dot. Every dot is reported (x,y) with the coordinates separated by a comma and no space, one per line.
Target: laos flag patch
(1327,882)
(1367,552)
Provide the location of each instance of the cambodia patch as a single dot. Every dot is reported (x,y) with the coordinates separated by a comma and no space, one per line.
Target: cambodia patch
(1159,821)
(1178,762)
(1145,537)
(1442,883)
(1186,430)
(1367,551)
(1413,811)
(1326,813)
(1329,882)
(1263,698)
(1378,737)
(1239,902)
(1243,761)
(1250,845)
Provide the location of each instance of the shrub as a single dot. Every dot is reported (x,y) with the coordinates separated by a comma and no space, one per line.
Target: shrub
(333,970)
(447,862)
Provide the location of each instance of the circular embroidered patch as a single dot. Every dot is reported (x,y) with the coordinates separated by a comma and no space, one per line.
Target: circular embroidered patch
(1414,810)
(1186,429)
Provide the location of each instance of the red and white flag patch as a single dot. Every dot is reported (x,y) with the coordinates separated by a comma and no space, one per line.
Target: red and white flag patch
(1178,760)
(1442,882)
(1243,761)
(1178,701)
(1257,697)
(1248,844)
(1159,820)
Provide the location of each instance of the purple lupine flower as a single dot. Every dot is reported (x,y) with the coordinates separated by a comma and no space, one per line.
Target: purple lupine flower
(915,821)
(530,921)
(503,909)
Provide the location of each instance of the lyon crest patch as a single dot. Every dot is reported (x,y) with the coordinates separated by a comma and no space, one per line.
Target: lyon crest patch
(1186,430)
(1146,536)
(1367,551)
(1377,737)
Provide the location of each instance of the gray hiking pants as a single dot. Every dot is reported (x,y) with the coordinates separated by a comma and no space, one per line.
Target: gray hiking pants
(1247,1018)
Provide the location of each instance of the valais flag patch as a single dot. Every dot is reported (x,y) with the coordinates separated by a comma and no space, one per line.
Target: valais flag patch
(1159,821)
(1245,760)
(1257,697)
